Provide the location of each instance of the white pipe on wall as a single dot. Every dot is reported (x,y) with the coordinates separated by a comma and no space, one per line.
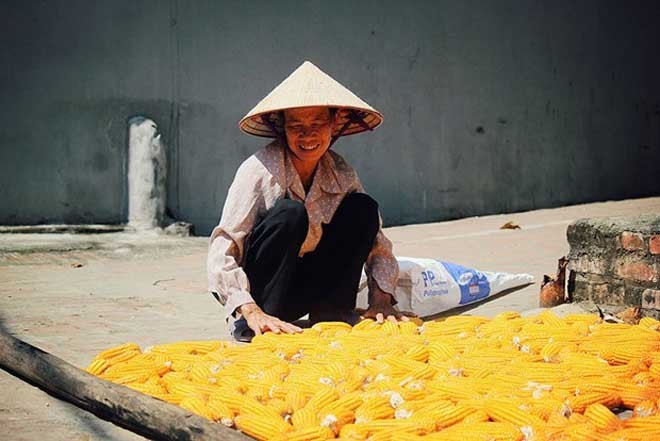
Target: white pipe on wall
(147,170)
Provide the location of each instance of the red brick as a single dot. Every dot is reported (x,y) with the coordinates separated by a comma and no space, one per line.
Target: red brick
(632,241)
(640,271)
(654,244)
(651,299)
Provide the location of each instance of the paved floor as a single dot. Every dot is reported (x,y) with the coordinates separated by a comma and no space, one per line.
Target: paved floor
(74,295)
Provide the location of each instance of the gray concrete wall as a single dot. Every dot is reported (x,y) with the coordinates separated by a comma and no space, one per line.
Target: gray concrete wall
(490,106)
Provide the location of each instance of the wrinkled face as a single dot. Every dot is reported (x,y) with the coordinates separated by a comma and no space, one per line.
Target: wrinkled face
(308,132)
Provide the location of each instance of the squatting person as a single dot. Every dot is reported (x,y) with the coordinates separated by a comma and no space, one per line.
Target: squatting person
(297,226)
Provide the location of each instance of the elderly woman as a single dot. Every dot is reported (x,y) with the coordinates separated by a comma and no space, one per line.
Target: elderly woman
(297,226)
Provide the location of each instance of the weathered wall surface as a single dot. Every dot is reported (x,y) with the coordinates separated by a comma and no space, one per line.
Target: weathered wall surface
(489,106)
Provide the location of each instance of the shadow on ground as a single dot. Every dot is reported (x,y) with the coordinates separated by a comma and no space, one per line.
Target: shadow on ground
(88,424)
(467,308)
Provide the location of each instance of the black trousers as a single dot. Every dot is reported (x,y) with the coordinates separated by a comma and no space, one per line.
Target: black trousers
(326,279)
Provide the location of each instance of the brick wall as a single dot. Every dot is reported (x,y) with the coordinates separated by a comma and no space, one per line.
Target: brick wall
(616,261)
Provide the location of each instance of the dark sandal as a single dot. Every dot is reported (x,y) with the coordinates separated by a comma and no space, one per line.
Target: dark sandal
(242,331)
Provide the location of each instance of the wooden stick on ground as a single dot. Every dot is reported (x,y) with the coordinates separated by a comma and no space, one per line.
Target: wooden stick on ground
(120,405)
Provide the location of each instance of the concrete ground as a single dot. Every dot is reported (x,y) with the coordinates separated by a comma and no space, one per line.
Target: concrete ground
(75,295)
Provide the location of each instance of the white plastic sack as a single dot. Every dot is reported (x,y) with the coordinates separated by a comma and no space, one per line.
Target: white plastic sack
(429,286)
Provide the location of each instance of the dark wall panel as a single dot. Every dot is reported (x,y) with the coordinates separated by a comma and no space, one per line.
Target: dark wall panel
(489,106)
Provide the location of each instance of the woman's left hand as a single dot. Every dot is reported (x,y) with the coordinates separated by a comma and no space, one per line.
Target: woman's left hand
(381,308)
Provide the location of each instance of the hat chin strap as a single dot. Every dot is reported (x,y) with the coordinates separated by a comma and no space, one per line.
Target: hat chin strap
(271,126)
(353,117)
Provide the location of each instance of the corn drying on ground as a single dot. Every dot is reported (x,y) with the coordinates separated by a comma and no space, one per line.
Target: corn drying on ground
(464,378)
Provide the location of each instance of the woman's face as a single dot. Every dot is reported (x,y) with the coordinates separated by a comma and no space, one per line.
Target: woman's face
(308,132)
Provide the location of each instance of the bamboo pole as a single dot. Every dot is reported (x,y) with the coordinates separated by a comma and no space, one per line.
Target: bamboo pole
(139,413)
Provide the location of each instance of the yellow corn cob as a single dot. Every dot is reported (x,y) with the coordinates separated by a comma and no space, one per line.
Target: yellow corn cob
(204,372)
(196,405)
(587,386)
(121,357)
(643,378)
(645,408)
(118,350)
(148,389)
(649,322)
(322,398)
(232,384)
(408,328)
(347,403)
(654,370)
(278,391)
(445,415)
(306,434)
(552,320)
(350,385)
(630,435)
(132,378)
(295,400)
(331,326)
(185,387)
(478,416)
(126,368)
(259,393)
(251,406)
(354,432)
(336,419)
(173,377)
(582,432)
(439,352)
(578,418)
(505,412)
(581,402)
(507,315)
(641,429)
(403,365)
(278,405)
(374,409)
(418,353)
(601,417)
(632,394)
(189,347)
(305,417)
(97,366)
(232,399)
(388,434)
(220,412)
(550,351)
(365,324)
(378,367)
(336,371)
(451,390)
(261,427)
(390,328)
(379,428)
(486,431)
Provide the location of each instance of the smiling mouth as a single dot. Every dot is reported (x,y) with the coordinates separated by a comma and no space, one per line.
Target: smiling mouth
(308,147)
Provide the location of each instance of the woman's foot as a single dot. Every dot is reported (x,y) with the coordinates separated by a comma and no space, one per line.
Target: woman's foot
(242,331)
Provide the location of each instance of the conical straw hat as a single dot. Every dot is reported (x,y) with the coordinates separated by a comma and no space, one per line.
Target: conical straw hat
(309,86)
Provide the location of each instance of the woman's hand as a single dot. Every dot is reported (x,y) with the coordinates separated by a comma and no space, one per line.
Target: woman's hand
(381,308)
(261,322)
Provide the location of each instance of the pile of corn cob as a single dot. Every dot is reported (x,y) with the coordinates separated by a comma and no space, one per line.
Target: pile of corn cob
(464,378)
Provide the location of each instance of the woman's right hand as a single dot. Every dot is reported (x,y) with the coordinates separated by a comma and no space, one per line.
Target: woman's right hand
(261,322)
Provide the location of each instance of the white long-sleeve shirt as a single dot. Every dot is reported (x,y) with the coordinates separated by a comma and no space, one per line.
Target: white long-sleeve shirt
(263,179)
